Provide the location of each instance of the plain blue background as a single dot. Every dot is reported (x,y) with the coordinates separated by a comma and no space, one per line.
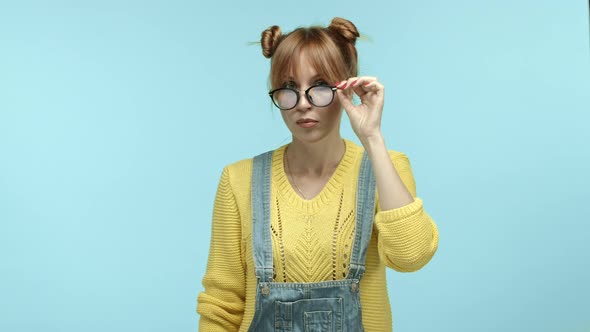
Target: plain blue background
(117,117)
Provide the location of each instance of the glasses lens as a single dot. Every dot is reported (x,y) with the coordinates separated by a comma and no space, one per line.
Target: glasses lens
(285,98)
(321,95)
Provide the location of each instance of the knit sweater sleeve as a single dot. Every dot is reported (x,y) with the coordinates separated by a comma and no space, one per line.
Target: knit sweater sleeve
(407,236)
(221,304)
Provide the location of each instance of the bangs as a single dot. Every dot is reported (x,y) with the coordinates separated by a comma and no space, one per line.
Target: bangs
(321,51)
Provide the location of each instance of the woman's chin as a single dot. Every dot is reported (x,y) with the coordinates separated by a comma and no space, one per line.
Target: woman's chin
(310,137)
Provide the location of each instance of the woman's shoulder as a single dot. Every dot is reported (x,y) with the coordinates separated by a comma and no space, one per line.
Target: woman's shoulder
(239,167)
(242,168)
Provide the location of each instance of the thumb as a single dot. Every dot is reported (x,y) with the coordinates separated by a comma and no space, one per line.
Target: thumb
(346,101)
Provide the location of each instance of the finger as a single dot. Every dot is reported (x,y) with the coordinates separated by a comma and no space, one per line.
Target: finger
(347,83)
(358,88)
(345,100)
(364,80)
(372,87)
(344,87)
(354,81)
(359,84)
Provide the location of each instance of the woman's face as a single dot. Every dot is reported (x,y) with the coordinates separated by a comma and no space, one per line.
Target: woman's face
(328,117)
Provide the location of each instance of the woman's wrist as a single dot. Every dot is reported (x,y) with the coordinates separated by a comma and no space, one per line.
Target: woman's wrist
(372,142)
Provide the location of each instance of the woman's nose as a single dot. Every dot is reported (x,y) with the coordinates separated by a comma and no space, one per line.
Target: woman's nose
(304,103)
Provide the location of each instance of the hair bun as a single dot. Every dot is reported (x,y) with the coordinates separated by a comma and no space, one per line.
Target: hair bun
(344,28)
(269,40)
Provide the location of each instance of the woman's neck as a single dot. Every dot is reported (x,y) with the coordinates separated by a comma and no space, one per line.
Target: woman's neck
(317,159)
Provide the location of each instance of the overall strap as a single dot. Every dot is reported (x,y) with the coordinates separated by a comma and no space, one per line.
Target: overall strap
(365,212)
(261,240)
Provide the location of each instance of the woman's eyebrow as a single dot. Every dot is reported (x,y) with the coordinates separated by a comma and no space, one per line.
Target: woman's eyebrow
(313,79)
(316,77)
(288,81)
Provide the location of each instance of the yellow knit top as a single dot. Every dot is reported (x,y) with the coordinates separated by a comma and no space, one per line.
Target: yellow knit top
(312,240)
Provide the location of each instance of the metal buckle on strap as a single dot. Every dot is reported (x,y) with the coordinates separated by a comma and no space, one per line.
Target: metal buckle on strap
(355,286)
(265,291)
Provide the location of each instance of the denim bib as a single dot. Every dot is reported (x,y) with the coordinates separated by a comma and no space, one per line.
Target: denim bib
(327,306)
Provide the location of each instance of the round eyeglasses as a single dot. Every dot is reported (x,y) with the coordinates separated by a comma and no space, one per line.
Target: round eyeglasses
(317,95)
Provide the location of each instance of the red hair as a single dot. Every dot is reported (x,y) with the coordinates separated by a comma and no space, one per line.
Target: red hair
(330,50)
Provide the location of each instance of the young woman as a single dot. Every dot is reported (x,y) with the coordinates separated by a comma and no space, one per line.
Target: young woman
(302,234)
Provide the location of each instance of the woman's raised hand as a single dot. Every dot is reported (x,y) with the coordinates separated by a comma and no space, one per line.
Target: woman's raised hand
(365,118)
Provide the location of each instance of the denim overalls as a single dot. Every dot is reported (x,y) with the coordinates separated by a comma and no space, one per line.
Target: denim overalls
(327,306)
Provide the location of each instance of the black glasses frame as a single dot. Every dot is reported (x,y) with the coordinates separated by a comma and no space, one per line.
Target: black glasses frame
(298,93)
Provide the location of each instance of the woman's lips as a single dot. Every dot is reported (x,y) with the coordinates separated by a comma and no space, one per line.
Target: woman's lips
(307,124)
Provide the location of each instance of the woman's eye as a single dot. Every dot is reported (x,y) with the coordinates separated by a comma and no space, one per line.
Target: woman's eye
(290,85)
